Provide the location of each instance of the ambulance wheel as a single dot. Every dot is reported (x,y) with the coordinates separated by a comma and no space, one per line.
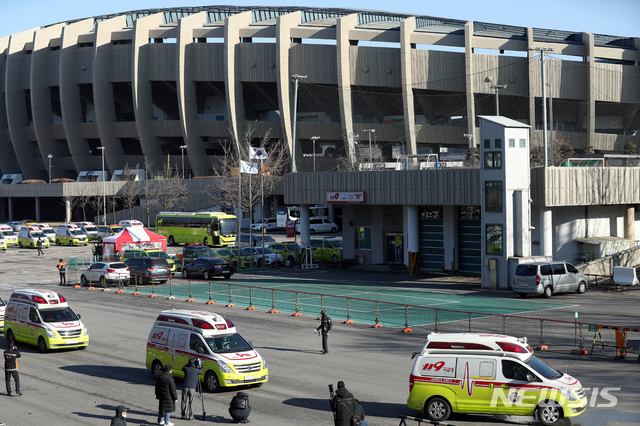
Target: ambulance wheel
(172,241)
(211,382)
(582,287)
(548,291)
(70,243)
(31,246)
(42,345)
(550,413)
(57,242)
(205,275)
(157,369)
(10,337)
(83,280)
(20,244)
(437,409)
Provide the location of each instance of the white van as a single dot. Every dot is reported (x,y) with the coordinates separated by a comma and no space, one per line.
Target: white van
(48,231)
(9,234)
(228,360)
(43,318)
(490,374)
(130,223)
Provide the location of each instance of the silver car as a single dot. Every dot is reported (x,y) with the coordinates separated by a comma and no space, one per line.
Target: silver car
(106,273)
(547,278)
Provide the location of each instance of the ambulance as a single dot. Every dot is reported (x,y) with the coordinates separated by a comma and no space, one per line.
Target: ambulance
(89,229)
(130,223)
(43,318)
(71,235)
(3,307)
(28,236)
(490,374)
(9,234)
(48,231)
(228,360)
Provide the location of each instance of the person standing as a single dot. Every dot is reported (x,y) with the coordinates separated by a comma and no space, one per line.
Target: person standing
(325,328)
(120,419)
(345,406)
(191,372)
(39,245)
(11,356)
(166,396)
(62,268)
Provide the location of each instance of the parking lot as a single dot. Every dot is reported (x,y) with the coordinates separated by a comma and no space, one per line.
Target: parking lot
(111,371)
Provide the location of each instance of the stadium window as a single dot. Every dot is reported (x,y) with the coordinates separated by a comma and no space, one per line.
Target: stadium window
(493,196)
(363,237)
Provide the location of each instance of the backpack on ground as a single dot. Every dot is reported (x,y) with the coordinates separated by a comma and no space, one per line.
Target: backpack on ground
(241,401)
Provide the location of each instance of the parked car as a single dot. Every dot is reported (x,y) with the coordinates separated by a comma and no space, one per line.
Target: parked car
(265,258)
(191,252)
(147,270)
(153,253)
(3,242)
(232,255)
(270,223)
(208,267)
(290,252)
(106,273)
(256,240)
(105,231)
(16,226)
(547,278)
(326,248)
(317,225)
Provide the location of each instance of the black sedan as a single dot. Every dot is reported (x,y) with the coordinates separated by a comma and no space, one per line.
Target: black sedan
(207,267)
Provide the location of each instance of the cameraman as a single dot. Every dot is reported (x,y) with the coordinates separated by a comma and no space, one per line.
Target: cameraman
(191,372)
(345,407)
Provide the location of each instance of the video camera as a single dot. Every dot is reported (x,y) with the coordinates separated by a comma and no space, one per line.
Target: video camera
(331,392)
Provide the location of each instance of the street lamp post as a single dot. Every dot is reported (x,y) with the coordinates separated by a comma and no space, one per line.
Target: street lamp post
(496,87)
(370,153)
(104,187)
(182,148)
(314,139)
(49,157)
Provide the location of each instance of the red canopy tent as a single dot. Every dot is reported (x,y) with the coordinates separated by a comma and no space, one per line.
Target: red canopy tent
(135,237)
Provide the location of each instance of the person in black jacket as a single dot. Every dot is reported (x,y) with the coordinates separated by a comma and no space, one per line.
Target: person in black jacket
(166,396)
(344,406)
(191,372)
(121,415)
(11,356)
(239,408)
(325,329)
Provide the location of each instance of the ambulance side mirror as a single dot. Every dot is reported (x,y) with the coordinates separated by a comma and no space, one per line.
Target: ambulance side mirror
(414,354)
(79,316)
(530,378)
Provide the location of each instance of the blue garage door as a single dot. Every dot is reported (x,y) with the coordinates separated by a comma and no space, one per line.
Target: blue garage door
(469,246)
(431,234)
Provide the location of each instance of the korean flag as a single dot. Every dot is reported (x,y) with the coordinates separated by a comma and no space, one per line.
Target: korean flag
(258,154)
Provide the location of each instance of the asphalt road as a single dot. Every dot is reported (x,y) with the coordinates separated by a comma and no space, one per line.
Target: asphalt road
(84,387)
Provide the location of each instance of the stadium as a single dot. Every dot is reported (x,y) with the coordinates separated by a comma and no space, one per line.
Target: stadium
(183,86)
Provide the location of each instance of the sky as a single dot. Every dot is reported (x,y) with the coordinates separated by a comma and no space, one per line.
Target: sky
(615,17)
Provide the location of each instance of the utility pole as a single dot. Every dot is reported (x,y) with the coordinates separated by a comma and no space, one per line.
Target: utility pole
(370,153)
(543,51)
(553,144)
(296,78)
(497,87)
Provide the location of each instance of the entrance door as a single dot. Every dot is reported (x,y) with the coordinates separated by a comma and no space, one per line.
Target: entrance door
(394,248)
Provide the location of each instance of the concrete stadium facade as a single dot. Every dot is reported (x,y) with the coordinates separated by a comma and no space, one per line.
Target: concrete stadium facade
(142,84)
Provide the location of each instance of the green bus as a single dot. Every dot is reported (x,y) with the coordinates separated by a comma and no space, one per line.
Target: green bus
(208,228)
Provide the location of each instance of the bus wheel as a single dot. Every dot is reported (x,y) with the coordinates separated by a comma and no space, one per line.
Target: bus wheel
(172,241)
(205,242)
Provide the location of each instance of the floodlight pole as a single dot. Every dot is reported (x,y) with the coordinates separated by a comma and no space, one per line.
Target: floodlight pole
(182,148)
(296,78)
(497,87)
(543,51)
(104,187)
(370,153)
(50,156)
(314,139)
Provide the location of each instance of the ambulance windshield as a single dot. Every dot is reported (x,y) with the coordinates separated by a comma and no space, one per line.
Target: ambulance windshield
(543,369)
(228,343)
(58,315)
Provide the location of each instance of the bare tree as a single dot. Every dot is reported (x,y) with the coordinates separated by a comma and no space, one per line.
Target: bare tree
(171,192)
(85,194)
(348,162)
(472,159)
(227,190)
(536,153)
(130,191)
(147,189)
